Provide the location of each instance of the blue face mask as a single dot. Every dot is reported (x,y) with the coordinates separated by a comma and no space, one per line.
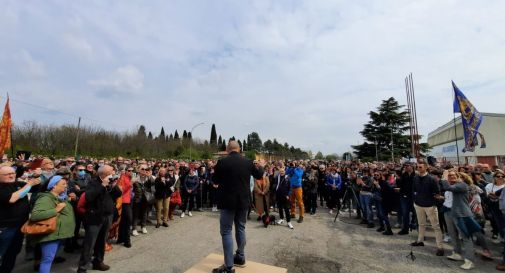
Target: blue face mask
(63,196)
(82,173)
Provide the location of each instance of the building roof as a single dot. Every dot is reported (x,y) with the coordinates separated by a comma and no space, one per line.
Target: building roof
(450,124)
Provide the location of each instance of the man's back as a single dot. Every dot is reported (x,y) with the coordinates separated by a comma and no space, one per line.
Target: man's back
(232,174)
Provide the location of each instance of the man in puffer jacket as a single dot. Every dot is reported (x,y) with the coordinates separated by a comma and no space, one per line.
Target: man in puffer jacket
(295,173)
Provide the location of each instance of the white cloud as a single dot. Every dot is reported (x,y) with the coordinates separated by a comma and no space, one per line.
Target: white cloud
(128,79)
(29,66)
(306,73)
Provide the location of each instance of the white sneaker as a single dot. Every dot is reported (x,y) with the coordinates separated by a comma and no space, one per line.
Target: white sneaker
(144,230)
(190,214)
(182,215)
(397,225)
(455,257)
(447,238)
(280,221)
(290,225)
(467,265)
(331,211)
(135,233)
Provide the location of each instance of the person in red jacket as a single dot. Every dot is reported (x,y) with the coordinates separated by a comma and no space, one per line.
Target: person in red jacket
(126,213)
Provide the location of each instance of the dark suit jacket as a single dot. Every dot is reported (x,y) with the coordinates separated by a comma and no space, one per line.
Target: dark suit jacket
(233,174)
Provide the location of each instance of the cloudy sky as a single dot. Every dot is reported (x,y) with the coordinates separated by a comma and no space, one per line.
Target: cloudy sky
(304,72)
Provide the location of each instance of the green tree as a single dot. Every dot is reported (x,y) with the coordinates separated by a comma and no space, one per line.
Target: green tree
(254,142)
(319,156)
(384,132)
(142,131)
(176,135)
(150,136)
(213,135)
(184,135)
(162,134)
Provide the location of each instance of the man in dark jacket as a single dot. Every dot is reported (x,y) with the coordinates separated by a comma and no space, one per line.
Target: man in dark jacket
(232,175)
(425,192)
(406,203)
(100,195)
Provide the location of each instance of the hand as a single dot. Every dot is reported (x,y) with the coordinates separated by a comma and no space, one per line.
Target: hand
(172,188)
(287,197)
(215,186)
(60,206)
(77,187)
(72,196)
(21,157)
(34,181)
(189,191)
(492,195)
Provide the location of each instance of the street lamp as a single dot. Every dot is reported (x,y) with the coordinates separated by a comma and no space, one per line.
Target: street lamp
(191,140)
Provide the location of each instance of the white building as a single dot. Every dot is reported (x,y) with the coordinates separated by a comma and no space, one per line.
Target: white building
(443,145)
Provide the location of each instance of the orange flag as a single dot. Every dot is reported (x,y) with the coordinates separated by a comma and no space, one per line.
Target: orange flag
(5,129)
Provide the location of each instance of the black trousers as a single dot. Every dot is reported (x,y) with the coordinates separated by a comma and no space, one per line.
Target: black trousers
(190,198)
(125,224)
(94,243)
(284,205)
(311,204)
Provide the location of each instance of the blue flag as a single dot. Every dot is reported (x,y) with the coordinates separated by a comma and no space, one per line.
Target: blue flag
(470,118)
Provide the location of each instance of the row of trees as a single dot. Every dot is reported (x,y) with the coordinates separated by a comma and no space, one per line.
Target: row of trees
(60,141)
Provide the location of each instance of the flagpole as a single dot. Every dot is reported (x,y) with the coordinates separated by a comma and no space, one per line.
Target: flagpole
(455,131)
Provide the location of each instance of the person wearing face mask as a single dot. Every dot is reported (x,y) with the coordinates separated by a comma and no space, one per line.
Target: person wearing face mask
(100,195)
(77,185)
(52,203)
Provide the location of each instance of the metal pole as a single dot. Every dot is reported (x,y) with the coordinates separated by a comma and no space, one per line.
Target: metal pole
(77,137)
(455,131)
(416,135)
(409,103)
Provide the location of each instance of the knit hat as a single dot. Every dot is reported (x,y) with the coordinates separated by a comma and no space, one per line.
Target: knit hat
(53,181)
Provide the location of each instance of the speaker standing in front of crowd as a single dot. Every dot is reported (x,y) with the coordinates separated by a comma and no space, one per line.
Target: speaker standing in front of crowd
(232,175)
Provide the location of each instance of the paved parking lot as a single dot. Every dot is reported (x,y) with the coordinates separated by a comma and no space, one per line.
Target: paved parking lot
(317,245)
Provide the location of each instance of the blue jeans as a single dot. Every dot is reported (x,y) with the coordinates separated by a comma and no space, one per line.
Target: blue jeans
(382,214)
(49,250)
(11,242)
(228,217)
(366,205)
(406,207)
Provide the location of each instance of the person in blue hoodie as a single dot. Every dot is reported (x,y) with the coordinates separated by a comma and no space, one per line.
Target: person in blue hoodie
(295,173)
(334,187)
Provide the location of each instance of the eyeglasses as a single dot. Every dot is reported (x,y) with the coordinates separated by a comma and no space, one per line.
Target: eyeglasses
(143,169)
(81,169)
(499,176)
(129,170)
(7,173)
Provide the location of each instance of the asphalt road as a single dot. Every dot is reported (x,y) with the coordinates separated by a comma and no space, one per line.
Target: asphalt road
(317,245)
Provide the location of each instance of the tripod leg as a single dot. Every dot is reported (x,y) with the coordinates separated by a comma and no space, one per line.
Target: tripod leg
(338,211)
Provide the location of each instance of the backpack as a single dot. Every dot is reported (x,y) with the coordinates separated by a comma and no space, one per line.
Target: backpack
(81,204)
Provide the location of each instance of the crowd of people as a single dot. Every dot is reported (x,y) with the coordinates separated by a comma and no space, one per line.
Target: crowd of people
(112,200)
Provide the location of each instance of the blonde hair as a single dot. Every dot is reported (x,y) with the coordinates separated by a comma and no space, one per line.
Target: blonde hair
(466,178)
